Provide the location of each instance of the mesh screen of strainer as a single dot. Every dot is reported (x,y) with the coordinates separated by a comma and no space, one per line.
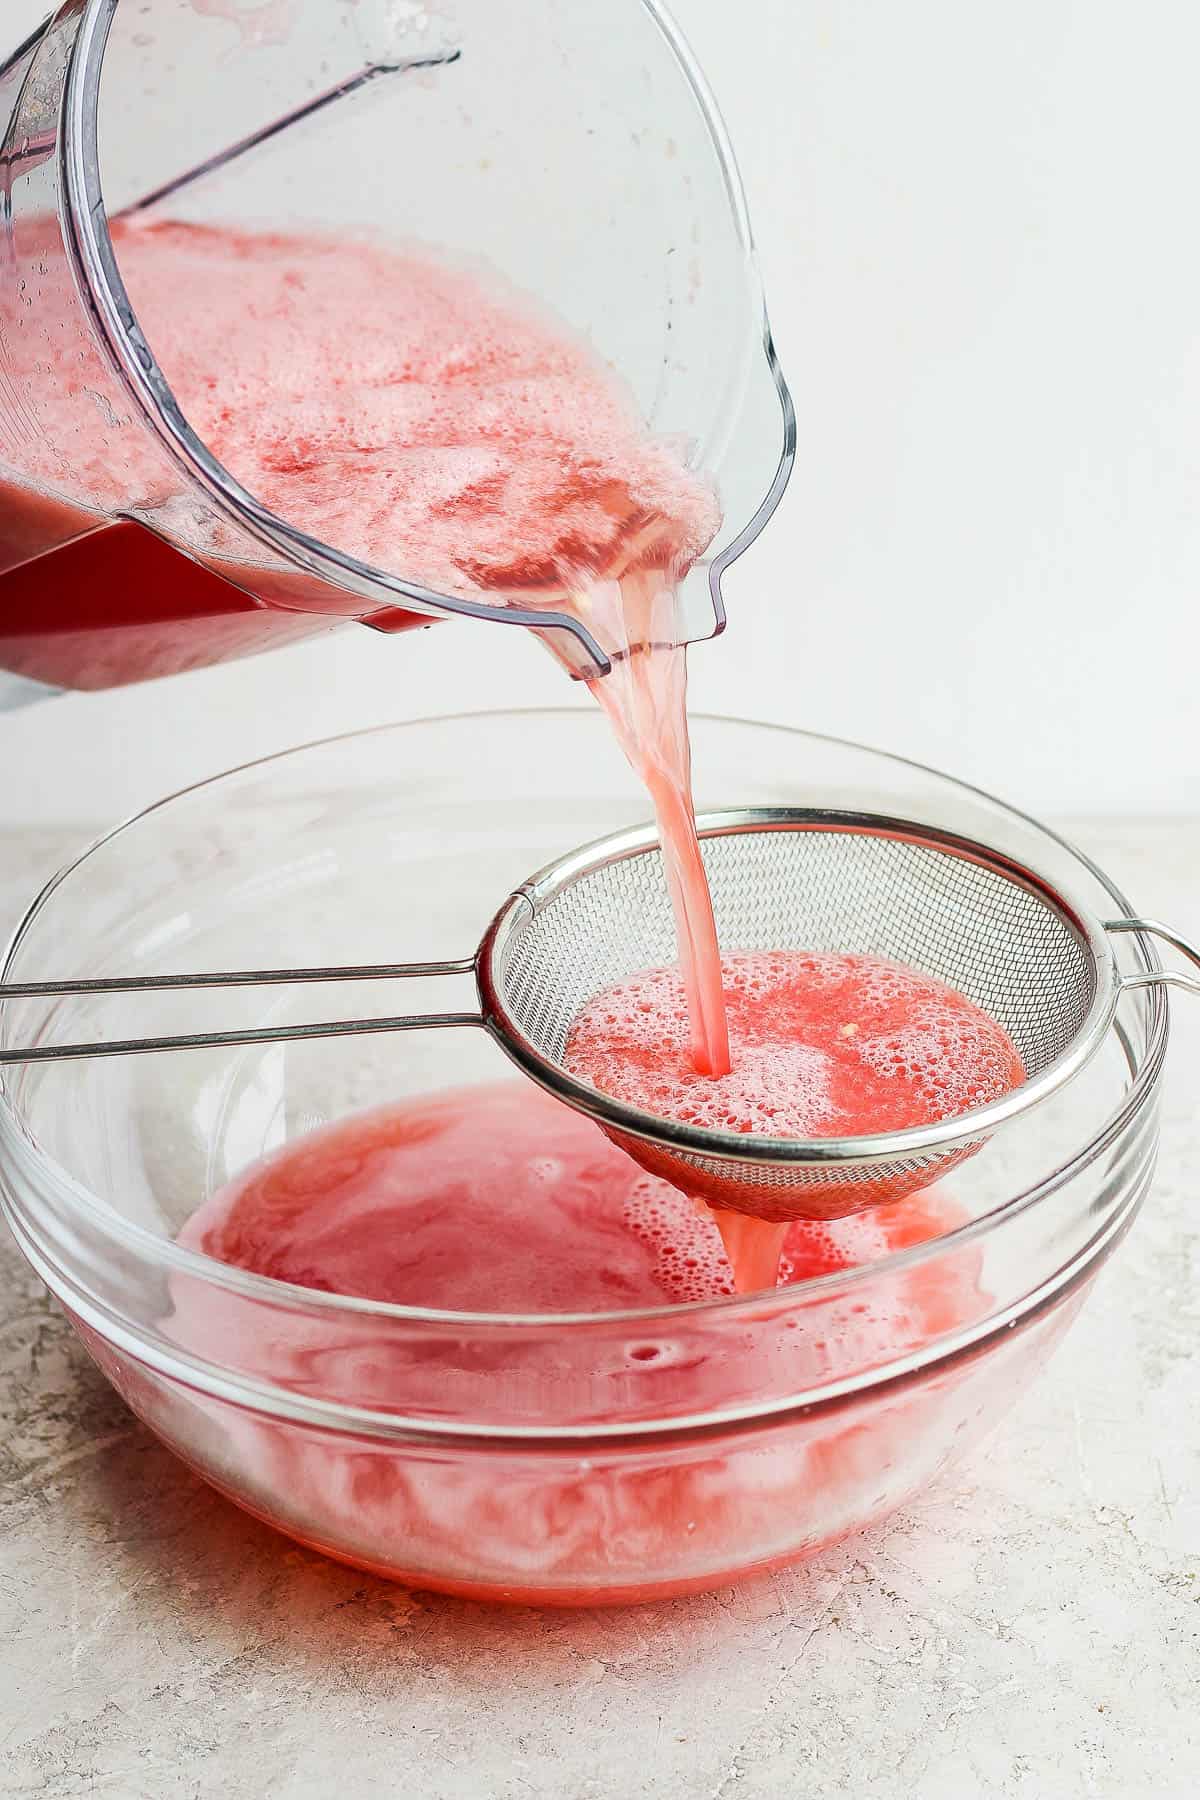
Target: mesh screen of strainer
(794,880)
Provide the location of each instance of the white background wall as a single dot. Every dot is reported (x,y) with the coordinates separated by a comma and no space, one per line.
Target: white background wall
(978,228)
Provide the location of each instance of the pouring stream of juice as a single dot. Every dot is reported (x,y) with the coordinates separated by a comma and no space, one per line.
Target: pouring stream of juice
(645,699)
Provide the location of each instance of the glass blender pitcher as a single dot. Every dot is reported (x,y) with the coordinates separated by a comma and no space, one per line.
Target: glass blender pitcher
(572,148)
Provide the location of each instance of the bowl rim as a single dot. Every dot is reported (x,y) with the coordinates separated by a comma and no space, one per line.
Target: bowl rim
(274,1402)
(169,1255)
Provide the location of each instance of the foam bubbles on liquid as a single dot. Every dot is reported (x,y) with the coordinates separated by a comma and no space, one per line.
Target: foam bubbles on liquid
(422,415)
(823,1045)
(690,1260)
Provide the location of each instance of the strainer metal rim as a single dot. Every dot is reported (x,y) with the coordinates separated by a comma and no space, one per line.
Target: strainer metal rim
(963,1129)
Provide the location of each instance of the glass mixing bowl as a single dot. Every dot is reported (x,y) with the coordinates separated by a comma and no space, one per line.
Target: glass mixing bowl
(546,1457)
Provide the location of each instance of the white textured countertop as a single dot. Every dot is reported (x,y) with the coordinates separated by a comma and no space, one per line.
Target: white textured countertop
(1030,1628)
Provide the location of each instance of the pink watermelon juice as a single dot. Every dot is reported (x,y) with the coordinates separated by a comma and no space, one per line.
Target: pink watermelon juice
(498,1200)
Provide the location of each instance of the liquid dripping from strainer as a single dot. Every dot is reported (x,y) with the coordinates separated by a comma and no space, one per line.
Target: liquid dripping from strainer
(824,1044)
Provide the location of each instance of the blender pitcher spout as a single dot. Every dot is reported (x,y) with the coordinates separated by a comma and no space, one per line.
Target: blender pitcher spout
(584,168)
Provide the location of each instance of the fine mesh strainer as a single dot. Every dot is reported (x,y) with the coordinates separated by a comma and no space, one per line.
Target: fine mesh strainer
(782,879)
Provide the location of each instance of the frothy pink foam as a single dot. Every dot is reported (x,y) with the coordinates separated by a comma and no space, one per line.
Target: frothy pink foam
(823,1045)
(423,416)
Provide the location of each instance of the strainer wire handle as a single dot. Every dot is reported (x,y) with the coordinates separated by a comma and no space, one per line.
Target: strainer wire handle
(1179,978)
(260,1034)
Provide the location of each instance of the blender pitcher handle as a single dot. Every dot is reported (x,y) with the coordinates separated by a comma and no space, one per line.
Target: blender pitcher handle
(1179,978)
(262,1034)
